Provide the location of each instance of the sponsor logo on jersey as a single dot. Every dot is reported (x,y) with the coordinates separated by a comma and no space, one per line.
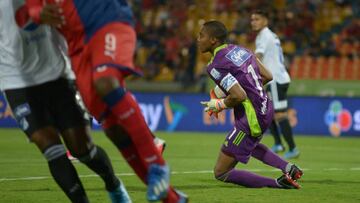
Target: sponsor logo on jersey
(238,56)
(215,74)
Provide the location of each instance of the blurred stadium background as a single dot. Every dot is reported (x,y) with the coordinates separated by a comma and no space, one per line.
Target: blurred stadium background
(320,39)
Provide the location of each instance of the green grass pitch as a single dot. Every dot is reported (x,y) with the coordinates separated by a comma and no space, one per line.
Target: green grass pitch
(331,171)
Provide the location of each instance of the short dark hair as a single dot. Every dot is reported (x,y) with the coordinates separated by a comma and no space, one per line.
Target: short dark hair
(262,12)
(216,29)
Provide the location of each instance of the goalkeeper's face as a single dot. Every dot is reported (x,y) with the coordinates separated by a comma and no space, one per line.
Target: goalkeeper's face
(205,41)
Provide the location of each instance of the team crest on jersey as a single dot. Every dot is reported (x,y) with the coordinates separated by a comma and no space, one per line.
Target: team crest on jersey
(215,74)
(238,56)
(23,19)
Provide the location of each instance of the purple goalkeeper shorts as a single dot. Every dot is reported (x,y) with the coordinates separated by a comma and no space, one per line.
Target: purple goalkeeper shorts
(239,145)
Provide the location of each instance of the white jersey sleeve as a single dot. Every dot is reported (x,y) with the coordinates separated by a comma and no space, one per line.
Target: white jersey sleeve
(29,54)
(268,44)
(10,39)
(260,45)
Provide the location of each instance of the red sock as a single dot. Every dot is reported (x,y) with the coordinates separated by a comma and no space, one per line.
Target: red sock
(172,196)
(130,118)
(131,156)
(143,152)
(139,168)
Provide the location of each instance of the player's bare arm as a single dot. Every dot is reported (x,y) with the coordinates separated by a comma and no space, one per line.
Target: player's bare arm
(259,56)
(264,72)
(236,95)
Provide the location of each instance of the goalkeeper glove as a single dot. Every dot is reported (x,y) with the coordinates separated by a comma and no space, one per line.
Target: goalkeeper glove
(214,105)
(213,96)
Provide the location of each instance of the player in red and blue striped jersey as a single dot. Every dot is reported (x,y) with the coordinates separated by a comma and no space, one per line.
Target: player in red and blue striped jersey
(101,41)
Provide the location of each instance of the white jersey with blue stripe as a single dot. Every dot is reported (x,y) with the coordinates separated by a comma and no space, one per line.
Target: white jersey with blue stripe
(29,54)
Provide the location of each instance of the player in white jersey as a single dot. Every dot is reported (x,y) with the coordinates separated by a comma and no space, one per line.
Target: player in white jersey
(269,51)
(34,79)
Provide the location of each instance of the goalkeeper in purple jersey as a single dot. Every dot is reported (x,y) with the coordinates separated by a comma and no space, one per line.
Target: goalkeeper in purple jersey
(240,77)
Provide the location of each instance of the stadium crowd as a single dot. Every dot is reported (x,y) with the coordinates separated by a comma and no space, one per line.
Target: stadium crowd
(167,30)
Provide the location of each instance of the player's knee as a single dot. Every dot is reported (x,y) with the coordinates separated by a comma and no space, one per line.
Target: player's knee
(118,136)
(78,140)
(105,85)
(221,176)
(46,137)
(53,152)
(110,92)
(88,156)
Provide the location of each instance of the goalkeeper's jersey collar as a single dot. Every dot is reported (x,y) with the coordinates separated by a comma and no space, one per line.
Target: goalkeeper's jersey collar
(216,50)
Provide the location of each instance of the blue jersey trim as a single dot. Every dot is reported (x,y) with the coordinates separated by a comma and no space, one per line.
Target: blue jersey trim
(120,68)
(95,14)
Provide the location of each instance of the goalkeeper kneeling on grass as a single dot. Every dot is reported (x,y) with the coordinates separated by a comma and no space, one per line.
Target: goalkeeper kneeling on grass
(240,77)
